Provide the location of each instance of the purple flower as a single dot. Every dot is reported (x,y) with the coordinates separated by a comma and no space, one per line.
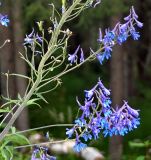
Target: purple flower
(89,93)
(73,57)
(122,37)
(79,146)
(122,120)
(42,153)
(82,56)
(131,110)
(134,34)
(109,37)
(100,57)
(104,55)
(4,20)
(103,88)
(134,15)
(70,132)
(99,117)
(118,35)
(31,38)
(86,136)
(86,108)
(80,122)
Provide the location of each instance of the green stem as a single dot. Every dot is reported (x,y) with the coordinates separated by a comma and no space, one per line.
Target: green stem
(51,48)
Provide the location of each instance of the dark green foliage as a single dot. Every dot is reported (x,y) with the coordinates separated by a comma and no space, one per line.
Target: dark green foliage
(62,105)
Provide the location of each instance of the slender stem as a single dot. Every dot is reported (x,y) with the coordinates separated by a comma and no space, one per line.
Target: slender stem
(51,47)
(44,143)
(43,127)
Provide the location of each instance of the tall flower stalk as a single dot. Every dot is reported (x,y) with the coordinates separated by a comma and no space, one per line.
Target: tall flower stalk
(97,114)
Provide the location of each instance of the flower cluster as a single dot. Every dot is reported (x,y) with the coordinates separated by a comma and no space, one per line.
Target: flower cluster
(73,58)
(32,37)
(118,35)
(4,20)
(97,116)
(41,153)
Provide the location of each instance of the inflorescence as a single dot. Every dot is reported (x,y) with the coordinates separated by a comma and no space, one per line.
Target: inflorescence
(118,35)
(97,116)
(41,153)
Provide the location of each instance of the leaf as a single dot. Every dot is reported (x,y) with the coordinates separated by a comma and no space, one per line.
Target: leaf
(7,153)
(13,130)
(40,96)
(17,139)
(33,101)
(141,158)
(4,154)
(10,151)
(139,144)
(4,110)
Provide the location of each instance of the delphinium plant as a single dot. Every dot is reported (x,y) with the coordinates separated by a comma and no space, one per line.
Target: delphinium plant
(96,114)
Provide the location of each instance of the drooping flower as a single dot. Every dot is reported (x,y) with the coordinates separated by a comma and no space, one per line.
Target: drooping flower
(122,120)
(4,20)
(135,35)
(79,146)
(103,88)
(31,38)
(86,136)
(73,57)
(82,56)
(89,93)
(118,35)
(41,153)
(97,116)
(70,132)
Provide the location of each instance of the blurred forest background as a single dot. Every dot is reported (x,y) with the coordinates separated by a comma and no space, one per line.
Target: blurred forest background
(127,74)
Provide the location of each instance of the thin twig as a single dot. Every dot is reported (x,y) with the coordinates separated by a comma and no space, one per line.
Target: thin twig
(43,143)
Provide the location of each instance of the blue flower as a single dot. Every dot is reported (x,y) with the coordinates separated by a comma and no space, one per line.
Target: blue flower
(134,15)
(79,146)
(89,93)
(139,24)
(31,38)
(103,88)
(4,20)
(135,34)
(131,111)
(109,37)
(100,57)
(70,132)
(42,153)
(122,37)
(87,136)
(82,56)
(104,55)
(73,57)
(80,122)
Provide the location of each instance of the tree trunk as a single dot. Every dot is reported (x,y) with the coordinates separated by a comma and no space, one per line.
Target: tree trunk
(7,57)
(117,88)
(10,60)
(22,122)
